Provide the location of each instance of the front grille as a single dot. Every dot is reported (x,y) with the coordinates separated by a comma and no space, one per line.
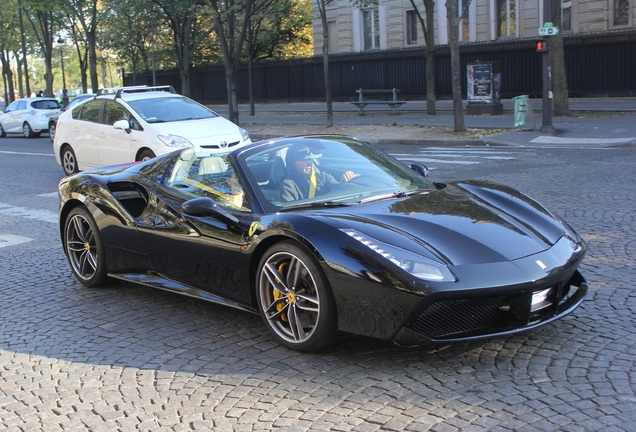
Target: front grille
(216,146)
(465,318)
(454,317)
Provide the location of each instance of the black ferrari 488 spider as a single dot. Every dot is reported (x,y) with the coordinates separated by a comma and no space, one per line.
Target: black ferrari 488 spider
(326,234)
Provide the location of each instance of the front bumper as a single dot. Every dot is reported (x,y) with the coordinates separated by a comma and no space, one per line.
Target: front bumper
(467,318)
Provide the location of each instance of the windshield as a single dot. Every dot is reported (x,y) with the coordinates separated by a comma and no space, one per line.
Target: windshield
(327,171)
(170,109)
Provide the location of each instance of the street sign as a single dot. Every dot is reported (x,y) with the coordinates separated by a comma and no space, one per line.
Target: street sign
(548,31)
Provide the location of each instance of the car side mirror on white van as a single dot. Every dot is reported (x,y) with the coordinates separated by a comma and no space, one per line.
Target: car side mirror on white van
(122,124)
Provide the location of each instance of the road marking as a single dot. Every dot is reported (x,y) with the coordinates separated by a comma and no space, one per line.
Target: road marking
(40,215)
(561,140)
(49,195)
(455,156)
(26,154)
(11,240)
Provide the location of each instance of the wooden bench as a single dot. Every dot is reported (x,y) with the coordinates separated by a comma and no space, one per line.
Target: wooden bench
(378,97)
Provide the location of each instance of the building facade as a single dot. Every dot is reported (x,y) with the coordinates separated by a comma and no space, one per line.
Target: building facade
(356,26)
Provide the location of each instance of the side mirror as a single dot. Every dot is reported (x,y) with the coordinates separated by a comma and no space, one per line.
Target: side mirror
(122,124)
(420,169)
(202,207)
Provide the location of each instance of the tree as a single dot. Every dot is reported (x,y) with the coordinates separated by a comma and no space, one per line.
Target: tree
(280,30)
(24,51)
(86,14)
(559,75)
(427,22)
(8,45)
(44,18)
(454,18)
(322,9)
(184,18)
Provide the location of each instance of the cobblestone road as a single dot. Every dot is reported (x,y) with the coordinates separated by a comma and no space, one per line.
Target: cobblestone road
(130,358)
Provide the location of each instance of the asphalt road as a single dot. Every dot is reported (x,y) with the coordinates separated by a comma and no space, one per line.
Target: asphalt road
(130,358)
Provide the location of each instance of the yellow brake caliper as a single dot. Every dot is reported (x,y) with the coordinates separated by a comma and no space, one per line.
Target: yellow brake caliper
(277,294)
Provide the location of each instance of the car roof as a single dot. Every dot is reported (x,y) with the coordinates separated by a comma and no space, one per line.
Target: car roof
(137,92)
(31,99)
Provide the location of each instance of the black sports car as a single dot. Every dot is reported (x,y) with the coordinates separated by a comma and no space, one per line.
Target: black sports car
(325,234)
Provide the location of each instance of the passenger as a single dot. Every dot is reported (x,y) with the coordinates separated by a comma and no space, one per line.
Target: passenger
(304,179)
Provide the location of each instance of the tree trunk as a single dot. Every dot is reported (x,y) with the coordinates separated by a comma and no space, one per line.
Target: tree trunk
(453,38)
(250,82)
(430,57)
(325,60)
(559,74)
(92,60)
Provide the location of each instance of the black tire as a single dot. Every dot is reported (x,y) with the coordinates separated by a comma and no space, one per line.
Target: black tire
(145,155)
(2,132)
(52,130)
(69,161)
(27,131)
(295,299)
(84,248)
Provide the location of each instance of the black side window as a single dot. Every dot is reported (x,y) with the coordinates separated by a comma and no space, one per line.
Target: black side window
(90,111)
(114,112)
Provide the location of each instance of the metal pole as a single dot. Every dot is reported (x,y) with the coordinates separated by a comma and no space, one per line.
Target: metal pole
(61,41)
(547,73)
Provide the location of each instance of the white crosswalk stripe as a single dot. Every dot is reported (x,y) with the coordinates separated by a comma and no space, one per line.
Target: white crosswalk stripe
(432,156)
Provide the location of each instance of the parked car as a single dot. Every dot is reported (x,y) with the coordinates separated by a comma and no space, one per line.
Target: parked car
(384,252)
(28,116)
(135,124)
(76,100)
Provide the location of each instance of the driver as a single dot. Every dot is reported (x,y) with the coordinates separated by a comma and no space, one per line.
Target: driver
(304,179)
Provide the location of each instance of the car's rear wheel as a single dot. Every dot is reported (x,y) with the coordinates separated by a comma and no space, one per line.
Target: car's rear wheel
(69,161)
(52,127)
(84,248)
(295,299)
(27,131)
(145,155)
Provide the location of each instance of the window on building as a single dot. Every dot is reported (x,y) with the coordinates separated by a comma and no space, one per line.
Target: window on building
(333,37)
(464,24)
(621,12)
(506,18)
(566,15)
(411,27)
(371,24)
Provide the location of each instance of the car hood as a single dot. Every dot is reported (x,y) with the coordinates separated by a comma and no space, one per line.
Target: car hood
(465,223)
(204,132)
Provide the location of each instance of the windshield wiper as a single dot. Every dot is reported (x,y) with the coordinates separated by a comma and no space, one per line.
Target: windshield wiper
(398,194)
(319,204)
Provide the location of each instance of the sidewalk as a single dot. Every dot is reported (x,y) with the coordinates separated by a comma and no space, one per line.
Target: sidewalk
(609,122)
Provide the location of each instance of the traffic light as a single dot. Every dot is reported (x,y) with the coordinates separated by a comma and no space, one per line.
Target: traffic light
(542,46)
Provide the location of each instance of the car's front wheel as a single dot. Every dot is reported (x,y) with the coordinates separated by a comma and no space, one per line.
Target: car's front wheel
(295,299)
(84,248)
(69,161)
(27,131)
(145,155)
(2,132)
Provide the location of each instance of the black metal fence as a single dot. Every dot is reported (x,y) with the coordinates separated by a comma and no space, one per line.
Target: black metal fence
(598,65)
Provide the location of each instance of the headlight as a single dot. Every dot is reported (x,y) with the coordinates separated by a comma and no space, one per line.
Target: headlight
(418,266)
(174,141)
(244,134)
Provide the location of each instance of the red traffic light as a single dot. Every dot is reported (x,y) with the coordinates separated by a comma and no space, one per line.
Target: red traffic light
(542,46)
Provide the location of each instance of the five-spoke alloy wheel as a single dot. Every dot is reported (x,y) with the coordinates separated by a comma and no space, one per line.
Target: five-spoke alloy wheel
(84,248)
(295,299)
